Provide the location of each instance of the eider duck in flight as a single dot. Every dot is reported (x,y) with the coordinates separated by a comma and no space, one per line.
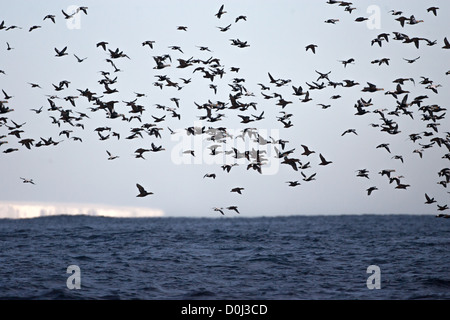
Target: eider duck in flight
(219,209)
(312,47)
(293,183)
(27,180)
(323,162)
(233,208)
(142,191)
(429,200)
(370,190)
(237,189)
(220,12)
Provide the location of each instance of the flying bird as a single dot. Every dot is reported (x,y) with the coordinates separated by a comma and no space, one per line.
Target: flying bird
(224,29)
(102,44)
(110,156)
(370,190)
(306,151)
(398,157)
(37,110)
(27,180)
(446,44)
(311,47)
(310,178)
(371,88)
(68,16)
(51,17)
(237,190)
(411,60)
(433,9)
(323,162)
(349,131)
(79,59)
(235,208)
(61,53)
(34,85)
(396,12)
(84,9)
(220,12)
(429,200)
(142,191)
(7,97)
(331,21)
(363,173)
(148,43)
(384,145)
(402,186)
(33,28)
(219,210)
(346,62)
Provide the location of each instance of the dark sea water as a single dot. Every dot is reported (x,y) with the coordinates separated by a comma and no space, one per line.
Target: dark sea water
(279,258)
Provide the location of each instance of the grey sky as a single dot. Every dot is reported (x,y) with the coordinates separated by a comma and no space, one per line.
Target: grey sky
(277,32)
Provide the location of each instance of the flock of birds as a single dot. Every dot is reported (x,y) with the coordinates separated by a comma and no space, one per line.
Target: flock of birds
(69,119)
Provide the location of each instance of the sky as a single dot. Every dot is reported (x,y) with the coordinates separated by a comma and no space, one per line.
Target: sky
(76,177)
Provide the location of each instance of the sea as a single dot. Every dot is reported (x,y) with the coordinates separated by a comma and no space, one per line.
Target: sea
(340,257)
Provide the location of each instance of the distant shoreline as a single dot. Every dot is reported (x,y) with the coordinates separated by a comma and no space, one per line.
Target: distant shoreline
(249,217)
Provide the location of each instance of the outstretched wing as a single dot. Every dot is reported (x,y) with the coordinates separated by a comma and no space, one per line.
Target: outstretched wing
(65,14)
(141,188)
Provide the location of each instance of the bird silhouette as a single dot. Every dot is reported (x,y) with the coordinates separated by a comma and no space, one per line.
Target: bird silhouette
(370,190)
(306,151)
(61,53)
(79,59)
(110,156)
(27,180)
(237,190)
(51,17)
(235,208)
(220,12)
(411,60)
(293,183)
(219,210)
(142,191)
(429,200)
(323,161)
(311,47)
(348,61)
(433,10)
